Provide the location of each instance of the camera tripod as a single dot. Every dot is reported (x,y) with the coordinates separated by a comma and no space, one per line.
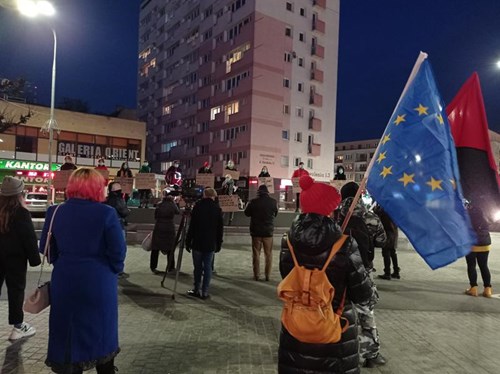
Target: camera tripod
(180,240)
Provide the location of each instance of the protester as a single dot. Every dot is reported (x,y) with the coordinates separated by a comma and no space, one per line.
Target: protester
(164,233)
(389,249)
(125,172)
(340,174)
(228,185)
(18,246)
(205,169)
(312,236)
(262,211)
(144,194)
(204,237)
(231,166)
(365,227)
(115,200)
(87,252)
(264,173)
(297,174)
(479,253)
(68,164)
(173,176)
(102,166)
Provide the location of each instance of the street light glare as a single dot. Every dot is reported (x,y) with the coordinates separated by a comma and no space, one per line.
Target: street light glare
(45,8)
(498,64)
(32,8)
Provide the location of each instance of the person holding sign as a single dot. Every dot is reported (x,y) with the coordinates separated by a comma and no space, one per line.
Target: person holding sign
(230,166)
(102,166)
(262,211)
(264,173)
(125,172)
(144,194)
(205,169)
(297,174)
(68,164)
(173,176)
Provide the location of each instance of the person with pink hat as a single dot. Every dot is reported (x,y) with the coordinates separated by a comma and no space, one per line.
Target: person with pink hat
(312,236)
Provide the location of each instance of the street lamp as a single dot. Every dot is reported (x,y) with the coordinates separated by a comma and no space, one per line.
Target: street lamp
(33,9)
(498,64)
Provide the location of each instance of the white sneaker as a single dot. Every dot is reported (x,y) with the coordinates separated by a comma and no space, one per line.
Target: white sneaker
(25,331)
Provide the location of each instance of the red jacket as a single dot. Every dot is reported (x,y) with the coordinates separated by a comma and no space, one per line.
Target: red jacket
(300,173)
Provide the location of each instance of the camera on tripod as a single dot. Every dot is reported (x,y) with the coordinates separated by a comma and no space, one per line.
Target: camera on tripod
(189,192)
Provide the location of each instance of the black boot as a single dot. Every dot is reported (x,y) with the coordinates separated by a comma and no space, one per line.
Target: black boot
(396,273)
(385,276)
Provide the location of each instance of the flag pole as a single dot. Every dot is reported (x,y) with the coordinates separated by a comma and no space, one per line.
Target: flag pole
(420,59)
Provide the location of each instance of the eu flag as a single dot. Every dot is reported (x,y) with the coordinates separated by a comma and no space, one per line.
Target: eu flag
(415,177)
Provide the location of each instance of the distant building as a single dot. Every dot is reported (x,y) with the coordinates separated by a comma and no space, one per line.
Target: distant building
(253,81)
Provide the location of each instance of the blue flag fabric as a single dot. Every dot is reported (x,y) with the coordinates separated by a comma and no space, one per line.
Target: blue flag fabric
(415,177)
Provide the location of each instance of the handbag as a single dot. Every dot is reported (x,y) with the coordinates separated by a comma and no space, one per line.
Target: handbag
(147,243)
(39,299)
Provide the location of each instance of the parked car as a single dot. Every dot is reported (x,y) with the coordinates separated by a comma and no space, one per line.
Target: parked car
(36,202)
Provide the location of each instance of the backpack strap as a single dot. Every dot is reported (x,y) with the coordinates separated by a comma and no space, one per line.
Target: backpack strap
(336,247)
(290,246)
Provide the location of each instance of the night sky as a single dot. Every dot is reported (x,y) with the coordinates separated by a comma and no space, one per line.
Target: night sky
(379,43)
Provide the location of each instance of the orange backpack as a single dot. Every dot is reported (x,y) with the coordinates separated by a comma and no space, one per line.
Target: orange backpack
(308,312)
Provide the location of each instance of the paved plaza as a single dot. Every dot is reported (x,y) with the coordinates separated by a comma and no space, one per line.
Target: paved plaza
(426,324)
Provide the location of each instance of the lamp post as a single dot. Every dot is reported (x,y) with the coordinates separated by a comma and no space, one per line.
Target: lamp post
(33,9)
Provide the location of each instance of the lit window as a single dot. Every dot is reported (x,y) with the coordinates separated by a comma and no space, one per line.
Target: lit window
(213,112)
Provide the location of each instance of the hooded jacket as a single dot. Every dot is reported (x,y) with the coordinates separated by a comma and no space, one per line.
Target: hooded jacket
(312,237)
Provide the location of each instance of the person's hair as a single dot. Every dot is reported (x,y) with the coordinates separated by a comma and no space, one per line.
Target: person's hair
(112,185)
(209,192)
(301,163)
(68,158)
(123,165)
(87,184)
(8,205)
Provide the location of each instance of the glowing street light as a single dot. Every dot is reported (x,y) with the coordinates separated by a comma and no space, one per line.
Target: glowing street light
(31,8)
(498,64)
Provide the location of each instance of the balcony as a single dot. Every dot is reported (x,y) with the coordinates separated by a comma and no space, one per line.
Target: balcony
(318,50)
(316,99)
(314,124)
(317,74)
(314,149)
(318,25)
(320,3)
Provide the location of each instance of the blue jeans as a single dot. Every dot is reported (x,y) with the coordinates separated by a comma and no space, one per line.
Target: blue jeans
(202,262)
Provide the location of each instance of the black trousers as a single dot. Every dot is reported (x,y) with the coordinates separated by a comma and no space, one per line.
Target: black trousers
(481,258)
(153,260)
(390,255)
(107,368)
(297,201)
(14,276)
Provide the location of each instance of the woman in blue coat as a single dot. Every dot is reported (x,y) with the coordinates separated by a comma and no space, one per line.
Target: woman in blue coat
(88,252)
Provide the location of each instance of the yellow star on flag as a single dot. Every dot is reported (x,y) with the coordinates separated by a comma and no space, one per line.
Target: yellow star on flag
(400,119)
(435,184)
(386,171)
(422,110)
(453,184)
(386,139)
(407,178)
(440,119)
(381,156)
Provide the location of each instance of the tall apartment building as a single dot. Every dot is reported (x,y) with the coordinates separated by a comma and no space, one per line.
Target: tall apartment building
(355,157)
(253,81)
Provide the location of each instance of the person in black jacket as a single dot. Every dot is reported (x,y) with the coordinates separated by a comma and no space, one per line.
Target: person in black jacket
(18,246)
(204,237)
(205,169)
(68,164)
(115,200)
(389,249)
(312,236)
(264,173)
(262,211)
(164,233)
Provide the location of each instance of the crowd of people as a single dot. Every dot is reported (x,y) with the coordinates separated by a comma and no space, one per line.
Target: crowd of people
(88,248)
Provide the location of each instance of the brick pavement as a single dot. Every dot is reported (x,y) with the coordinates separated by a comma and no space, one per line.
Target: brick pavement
(426,324)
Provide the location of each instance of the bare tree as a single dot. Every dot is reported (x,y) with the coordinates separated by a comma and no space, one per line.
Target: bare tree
(8,119)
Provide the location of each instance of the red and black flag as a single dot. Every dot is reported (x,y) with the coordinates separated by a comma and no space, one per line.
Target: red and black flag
(469,127)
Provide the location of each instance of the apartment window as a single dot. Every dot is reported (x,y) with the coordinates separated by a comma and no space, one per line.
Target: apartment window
(302,12)
(26,144)
(286,109)
(299,111)
(296,161)
(286,82)
(289,6)
(301,36)
(300,61)
(298,137)
(300,87)
(285,134)
(309,163)
(288,57)
(213,112)
(288,31)
(284,160)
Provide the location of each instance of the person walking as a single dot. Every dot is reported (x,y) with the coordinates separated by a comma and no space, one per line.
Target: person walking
(312,236)
(164,233)
(18,247)
(144,194)
(87,252)
(204,238)
(262,211)
(297,174)
(389,249)
(479,254)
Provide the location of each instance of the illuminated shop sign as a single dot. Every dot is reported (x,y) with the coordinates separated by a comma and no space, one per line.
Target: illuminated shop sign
(27,165)
(96,151)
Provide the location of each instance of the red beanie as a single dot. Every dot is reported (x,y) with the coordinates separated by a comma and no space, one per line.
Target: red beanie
(319,198)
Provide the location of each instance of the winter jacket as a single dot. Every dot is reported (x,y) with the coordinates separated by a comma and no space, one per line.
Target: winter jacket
(481,228)
(116,201)
(312,237)
(391,230)
(365,227)
(19,245)
(68,166)
(262,211)
(206,228)
(264,175)
(125,173)
(164,230)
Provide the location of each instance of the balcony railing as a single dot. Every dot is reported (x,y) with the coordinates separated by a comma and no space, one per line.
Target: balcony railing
(318,25)
(317,74)
(316,99)
(314,124)
(314,149)
(320,3)
(318,50)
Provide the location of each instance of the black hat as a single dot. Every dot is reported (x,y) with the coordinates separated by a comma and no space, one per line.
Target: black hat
(263,189)
(349,190)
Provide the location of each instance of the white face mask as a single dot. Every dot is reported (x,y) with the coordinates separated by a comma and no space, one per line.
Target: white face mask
(176,165)
(301,166)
